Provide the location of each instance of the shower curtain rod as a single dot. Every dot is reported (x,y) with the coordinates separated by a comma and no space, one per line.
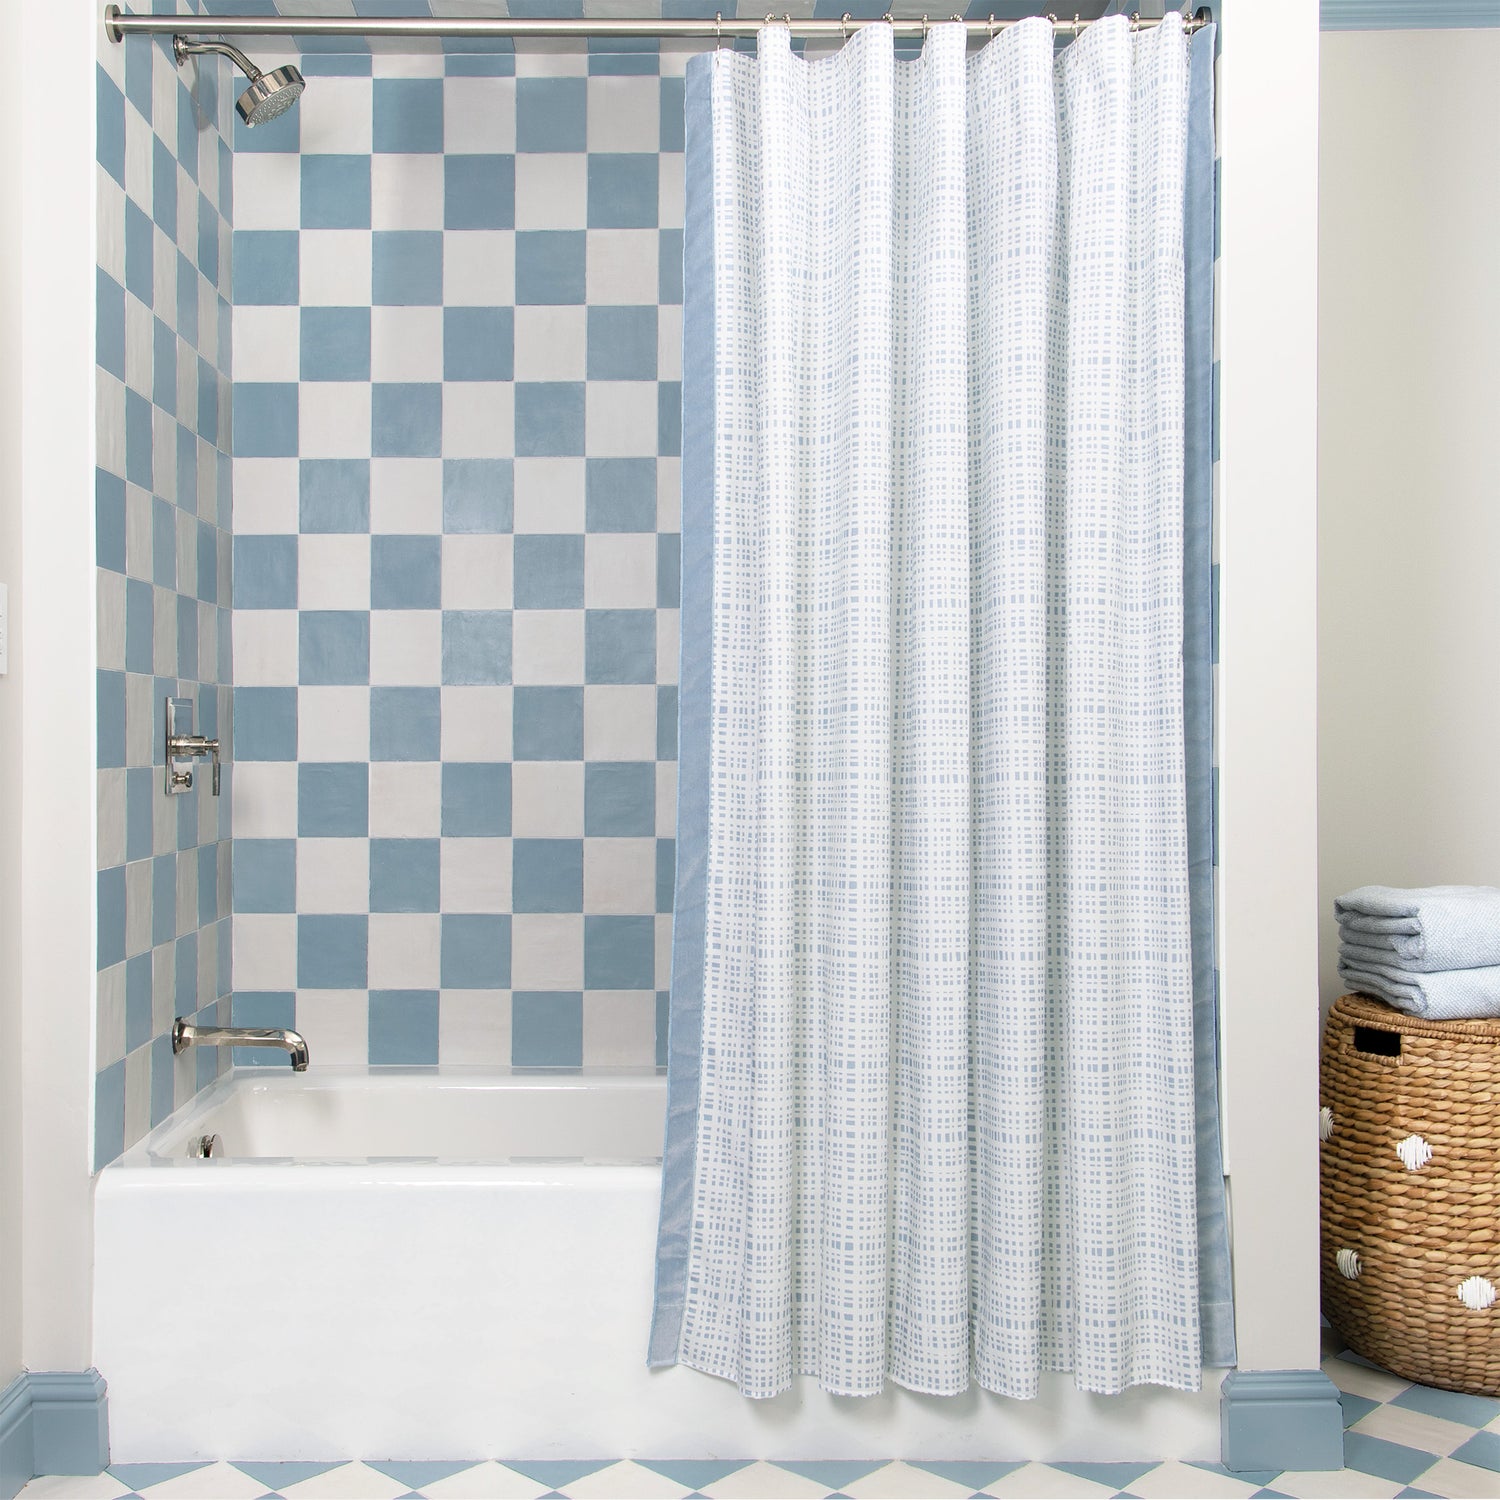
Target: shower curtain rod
(119,24)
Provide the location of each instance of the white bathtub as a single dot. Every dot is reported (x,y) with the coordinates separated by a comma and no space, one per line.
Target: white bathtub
(442,1263)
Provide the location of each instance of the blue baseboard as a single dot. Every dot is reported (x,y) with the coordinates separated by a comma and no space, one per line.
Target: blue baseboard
(1408,15)
(52,1422)
(1280,1419)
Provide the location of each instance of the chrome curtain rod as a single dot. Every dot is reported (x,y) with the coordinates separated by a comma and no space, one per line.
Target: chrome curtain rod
(119,24)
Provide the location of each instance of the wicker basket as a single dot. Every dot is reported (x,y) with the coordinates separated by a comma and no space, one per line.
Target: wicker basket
(1411,1192)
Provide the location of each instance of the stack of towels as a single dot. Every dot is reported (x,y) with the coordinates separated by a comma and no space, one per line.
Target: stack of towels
(1432,952)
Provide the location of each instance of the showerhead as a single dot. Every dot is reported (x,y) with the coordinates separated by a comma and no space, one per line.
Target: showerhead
(270,94)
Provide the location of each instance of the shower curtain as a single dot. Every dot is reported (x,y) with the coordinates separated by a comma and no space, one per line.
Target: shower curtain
(934,1112)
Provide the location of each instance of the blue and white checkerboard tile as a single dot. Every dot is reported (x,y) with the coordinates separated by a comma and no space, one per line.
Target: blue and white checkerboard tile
(163,553)
(457,326)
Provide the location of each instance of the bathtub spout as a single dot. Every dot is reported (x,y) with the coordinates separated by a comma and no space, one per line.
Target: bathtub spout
(185,1035)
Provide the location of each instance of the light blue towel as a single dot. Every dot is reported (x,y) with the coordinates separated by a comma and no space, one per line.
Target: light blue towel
(1454,995)
(1423,931)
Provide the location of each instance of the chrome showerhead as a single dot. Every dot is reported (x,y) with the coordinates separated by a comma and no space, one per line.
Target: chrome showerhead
(270,94)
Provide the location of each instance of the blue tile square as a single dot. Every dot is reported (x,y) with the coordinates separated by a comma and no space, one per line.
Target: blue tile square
(668,570)
(187,131)
(551,114)
(623,190)
(276,1008)
(476,799)
(672,114)
(265,419)
(547,875)
(617,57)
(476,646)
(478,495)
(109,725)
(265,723)
(619,953)
(109,1112)
(619,799)
(163,367)
(335,343)
(265,875)
(163,898)
(669,418)
(332,952)
(208,884)
(109,323)
(478,343)
(208,401)
(139,456)
(549,419)
(142,787)
(551,267)
(666,874)
(408,267)
(140,250)
(109,125)
(185,974)
(548,723)
(333,494)
(265,573)
(109,520)
(548,571)
(406,572)
(333,647)
(546,1029)
(138,66)
(266,267)
(163,1083)
(475,952)
(187,300)
(110,916)
(619,645)
(669,268)
(1393,1461)
(403,1028)
(208,239)
(208,562)
(404,875)
(405,723)
(663,1025)
(333,799)
(1482,1449)
(139,625)
(620,494)
(335,191)
(1452,1406)
(406,420)
(408,115)
(163,543)
(479,192)
(622,343)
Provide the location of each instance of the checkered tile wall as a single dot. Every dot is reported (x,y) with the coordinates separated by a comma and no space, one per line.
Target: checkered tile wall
(163,552)
(457,324)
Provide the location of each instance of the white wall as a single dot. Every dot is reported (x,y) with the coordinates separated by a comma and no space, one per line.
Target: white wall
(1409,461)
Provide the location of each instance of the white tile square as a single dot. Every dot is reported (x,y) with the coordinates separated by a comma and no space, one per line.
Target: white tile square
(763,1481)
(479,116)
(475,875)
(1360,1380)
(668,646)
(896,1481)
(552,58)
(1178,1481)
(479,265)
(406,343)
(474,1029)
(551,342)
(397,59)
(406,192)
(267,343)
(619,723)
(404,951)
(265,647)
(1350,1484)
(549,495)
(354,1481)
(547,647)
(1448,1476)
(406,647)
(666,799)
(265,799)
(139,357)
(620,418)
(486,1481)
(671,181)
(406,496)
(626,1480)
(1414,1429)
(623,268)
(669,494)
(333,570)
(265,951)
(476,572)
(336,1025)
(619,876)
(110,221)
(406,799)
(663,950)
(268,187)
(333,723)
(546,800)
(337,118)
(109,1011)
(619,570)
(333,875)
(624,113)
(478,419)
(85,1486)
(552,190)
(669,342)
(476,723)
(1043,1482)
(336,267)
(109,632)
(334,419)
(546,951)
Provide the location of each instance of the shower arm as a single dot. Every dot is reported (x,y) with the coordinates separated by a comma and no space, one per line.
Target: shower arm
(182,48)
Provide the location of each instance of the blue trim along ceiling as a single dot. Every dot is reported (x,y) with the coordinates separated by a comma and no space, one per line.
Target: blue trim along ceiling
(1408,15)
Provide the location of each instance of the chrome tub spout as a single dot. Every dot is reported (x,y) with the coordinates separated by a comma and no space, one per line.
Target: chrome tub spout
(185,1035)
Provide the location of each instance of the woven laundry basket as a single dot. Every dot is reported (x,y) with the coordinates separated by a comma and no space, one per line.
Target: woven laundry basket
(1411,1192)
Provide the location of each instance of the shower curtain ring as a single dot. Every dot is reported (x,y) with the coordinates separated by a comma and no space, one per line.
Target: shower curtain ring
(1135,20)
(718,30)
(992,26)
(924,28)
(1077,26)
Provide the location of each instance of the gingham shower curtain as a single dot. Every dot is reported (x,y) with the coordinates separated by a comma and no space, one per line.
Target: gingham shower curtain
(932,1095)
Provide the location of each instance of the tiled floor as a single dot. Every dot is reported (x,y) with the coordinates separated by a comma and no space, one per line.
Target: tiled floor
(1402,1440)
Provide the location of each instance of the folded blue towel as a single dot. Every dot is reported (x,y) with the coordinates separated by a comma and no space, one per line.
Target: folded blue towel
(1454,995)
(1424,931)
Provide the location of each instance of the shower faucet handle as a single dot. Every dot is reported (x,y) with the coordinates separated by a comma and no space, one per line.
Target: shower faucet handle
(183,746)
